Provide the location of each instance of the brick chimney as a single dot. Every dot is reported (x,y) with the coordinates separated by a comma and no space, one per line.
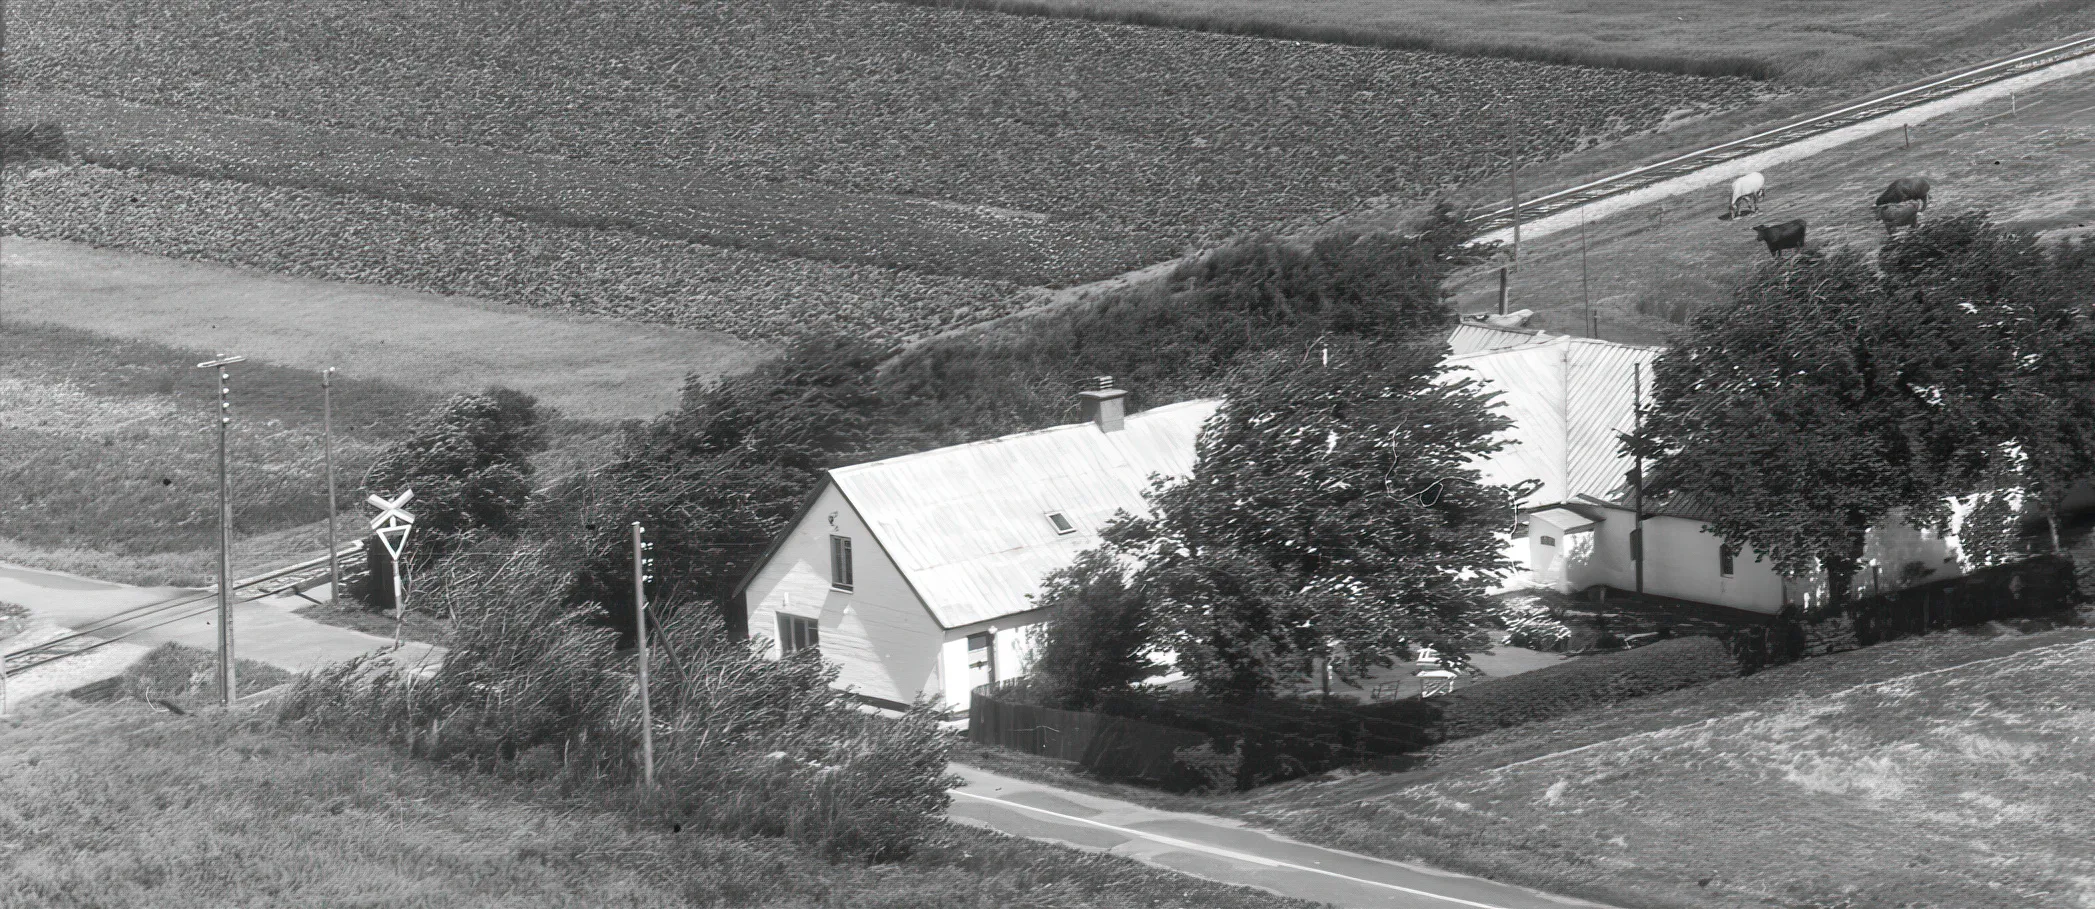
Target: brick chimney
(1105,405)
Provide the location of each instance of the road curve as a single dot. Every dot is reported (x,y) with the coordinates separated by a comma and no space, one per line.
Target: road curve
(1224,850)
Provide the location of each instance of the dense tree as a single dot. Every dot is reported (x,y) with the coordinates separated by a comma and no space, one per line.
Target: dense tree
(1332,513)
(1997,328)
(713,481)
(1097,635)
(469,464)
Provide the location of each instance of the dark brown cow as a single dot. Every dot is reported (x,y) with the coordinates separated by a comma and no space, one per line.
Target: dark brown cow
(1905,189)
(1897,215)
(1787,235)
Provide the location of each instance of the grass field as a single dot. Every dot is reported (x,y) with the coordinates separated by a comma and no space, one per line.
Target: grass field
(1947,771)
(1074,128)
(1799,40)
(587,368)
(1647,267)
(123,807)
(110,445)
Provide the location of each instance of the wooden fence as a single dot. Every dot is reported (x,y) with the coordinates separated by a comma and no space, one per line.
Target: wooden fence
(1107,745)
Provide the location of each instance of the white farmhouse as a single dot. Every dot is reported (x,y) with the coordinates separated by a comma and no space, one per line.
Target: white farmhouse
(1570,399)
(915,574)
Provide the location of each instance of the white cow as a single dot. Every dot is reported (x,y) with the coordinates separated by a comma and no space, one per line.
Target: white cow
(1747,189)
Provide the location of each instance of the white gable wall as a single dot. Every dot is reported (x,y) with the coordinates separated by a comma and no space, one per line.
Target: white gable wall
(879,633)
(1681,561)
(1015,638)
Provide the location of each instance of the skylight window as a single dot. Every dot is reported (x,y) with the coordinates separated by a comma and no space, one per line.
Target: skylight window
(1062,525)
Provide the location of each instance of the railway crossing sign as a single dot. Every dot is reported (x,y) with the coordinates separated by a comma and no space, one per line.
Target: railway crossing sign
(391,527)
(393,521)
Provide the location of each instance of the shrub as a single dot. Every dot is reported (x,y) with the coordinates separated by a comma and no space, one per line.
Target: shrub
(174,672)
(743,744)
(1095,640)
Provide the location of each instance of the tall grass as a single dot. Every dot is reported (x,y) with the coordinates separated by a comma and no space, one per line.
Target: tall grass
(743,744)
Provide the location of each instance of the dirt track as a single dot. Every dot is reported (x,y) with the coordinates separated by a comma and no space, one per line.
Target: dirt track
(2034,167)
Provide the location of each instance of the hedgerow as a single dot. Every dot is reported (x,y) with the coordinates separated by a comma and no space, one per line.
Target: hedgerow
(450,251)
(1568,687)
(1184,136)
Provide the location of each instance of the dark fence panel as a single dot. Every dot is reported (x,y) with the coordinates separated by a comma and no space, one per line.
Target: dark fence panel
(1107,745)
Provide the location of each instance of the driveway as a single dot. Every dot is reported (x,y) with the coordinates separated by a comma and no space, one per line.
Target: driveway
(1224,850)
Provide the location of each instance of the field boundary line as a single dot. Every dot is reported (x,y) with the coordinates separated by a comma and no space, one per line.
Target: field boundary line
(1831,694)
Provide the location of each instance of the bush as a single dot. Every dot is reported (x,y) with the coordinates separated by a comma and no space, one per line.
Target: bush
(743,744)
(1095,639)
(1568,687)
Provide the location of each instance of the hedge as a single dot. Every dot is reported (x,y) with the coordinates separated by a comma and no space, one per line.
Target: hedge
(1568,687)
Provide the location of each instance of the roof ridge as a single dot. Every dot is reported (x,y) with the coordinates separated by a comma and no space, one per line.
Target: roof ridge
(1030,433)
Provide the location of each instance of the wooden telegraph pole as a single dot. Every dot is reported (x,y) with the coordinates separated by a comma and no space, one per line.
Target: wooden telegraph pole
(226,679)
(327,432)
(647,717)
(1637,472)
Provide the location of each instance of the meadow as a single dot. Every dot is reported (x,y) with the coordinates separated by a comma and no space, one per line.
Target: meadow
(1087,129)
(1943,771)
(111,450)
(125,806)
(1794,40)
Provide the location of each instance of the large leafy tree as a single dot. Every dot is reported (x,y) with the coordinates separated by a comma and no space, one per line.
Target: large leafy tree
(713,481)
(1098,633)
(1332,513)
(1796,416)
(1997,328)
(469,464)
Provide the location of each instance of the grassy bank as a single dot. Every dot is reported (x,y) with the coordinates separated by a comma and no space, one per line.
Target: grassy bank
(123,807)
(1953,756)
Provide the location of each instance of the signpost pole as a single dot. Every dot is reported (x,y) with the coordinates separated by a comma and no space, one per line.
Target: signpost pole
(327,432)
(394,519)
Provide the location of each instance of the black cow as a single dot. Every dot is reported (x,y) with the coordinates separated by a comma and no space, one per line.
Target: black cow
(1905,189)
(1787,235)
(1903,214)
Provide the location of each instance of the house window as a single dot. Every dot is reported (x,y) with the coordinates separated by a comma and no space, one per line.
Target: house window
(1548,540)
(796,634)
(1727,556)
(1061,523)
(840,562)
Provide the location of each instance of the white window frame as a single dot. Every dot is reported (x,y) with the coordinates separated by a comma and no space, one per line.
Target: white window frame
(797,633)
(1061,522)
(840,568)
(1727,560)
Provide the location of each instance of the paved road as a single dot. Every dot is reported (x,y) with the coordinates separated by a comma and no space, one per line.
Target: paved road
(264,630)
(1223,850)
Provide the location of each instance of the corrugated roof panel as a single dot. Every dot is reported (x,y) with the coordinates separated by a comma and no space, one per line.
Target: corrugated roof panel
(1473,337)
(1568,399)
(969,523)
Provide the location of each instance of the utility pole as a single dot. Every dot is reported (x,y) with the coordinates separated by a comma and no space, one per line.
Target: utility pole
(1502,290)
(1637,416)
(641,564)
(226,678)
(1585,290)
(327,431)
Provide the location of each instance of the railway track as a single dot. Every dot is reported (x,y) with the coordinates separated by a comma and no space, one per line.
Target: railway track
(1891,102)
(140,619)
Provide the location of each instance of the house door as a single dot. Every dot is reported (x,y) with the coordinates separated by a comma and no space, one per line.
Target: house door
(981,659)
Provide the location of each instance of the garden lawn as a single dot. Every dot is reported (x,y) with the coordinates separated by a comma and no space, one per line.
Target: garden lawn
(128,807)
(1800,40)
(1038,129)
(1943,771)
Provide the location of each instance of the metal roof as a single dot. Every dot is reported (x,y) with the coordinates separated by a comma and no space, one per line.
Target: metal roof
(968,525)
(1567,398)
(1479,337)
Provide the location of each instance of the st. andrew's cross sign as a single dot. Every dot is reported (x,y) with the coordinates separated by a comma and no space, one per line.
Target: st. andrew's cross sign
(393,521)
(391,526)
